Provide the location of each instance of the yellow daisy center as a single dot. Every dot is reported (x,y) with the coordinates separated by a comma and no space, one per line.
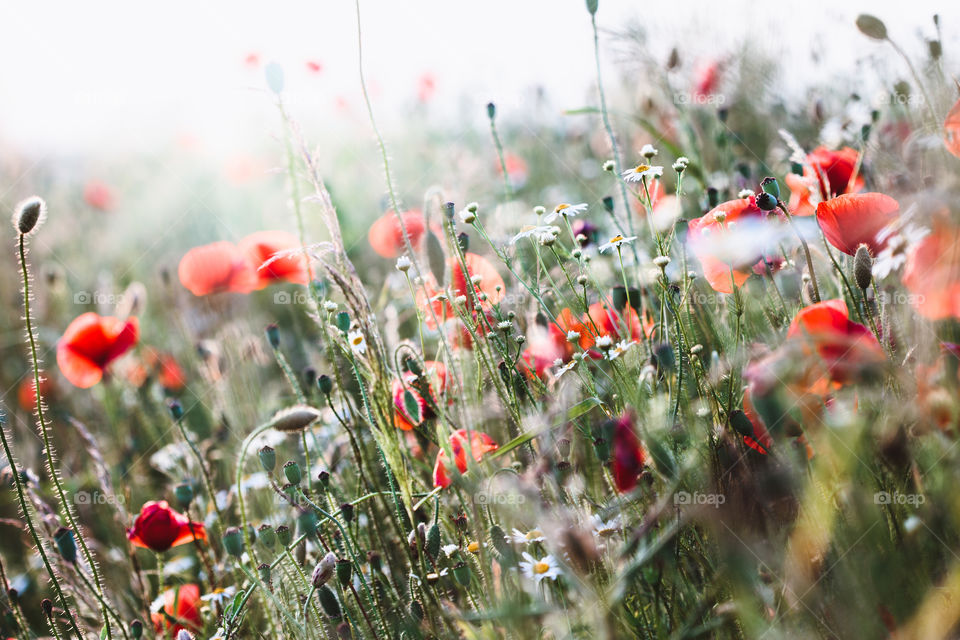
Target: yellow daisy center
(473,547)
(561,207)
(357,340)
(616,238)
(541,567)
(641,168)
(534,533)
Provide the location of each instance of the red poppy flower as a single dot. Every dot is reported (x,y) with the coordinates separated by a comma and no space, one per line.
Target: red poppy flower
(261,247)
(183,604)
(215,268)
(517,171)
(165,367)
(707,79)
(314,67)
(158,527)
(602,320)
(480,444)
(91,343)
(426,87)
(845,347)
(628,454)
(801,194)
(386,235)
(703,234)
(490,283)
(546,346)
(436,376)
(833,171)
(932,273)
(761,440)
(856,218)
(951,127)
(98,195)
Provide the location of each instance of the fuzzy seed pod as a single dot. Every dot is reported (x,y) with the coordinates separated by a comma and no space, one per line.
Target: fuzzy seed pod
(346,510)
(267,536)
(29,215)
(324,570)
(344,572)
(416,611)
(291,470)
(295,418)
(47,605)
(329,602)
(433,541)
(66,544)
(268,458)
(233,542)
(508,556)
(863,267)
(284,535)
(264,571)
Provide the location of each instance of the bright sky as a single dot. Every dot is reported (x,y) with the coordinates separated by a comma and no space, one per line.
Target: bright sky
(113,75)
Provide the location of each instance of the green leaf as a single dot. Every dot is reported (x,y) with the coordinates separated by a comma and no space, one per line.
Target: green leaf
(412,407)
(583,407)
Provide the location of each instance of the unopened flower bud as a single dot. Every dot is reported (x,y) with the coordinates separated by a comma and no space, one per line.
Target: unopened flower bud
(324,570)
(233,541)
(863,267)
(29,214)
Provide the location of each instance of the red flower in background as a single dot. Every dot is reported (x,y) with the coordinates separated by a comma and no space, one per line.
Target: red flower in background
(856,218)
(386,235)
(98,195)
(628,454)
(479,443)
(26,392)
(602,320)
(166,369)
(761,440)
(90,343)
(435,374)
(932,273)
(951,127)
(517,171)
(261,247)
(833,171)
(184,605)
(705,230)
(846,347)
(477,267)
(158,527)
(314,66)
(801,195)
(215,268)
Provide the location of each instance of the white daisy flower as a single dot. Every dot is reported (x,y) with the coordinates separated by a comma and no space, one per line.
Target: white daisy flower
(894,255)
(641,171)
(219,596)
(648,151)
(449,549)
(538,570)
(604,528)
(532,231)
(404,264)
(681,163)
(563,368)
(604,342)
(573,336)
(566,210)
(358,343)
(619,349)
(329,305)
(534,535)
(616,242)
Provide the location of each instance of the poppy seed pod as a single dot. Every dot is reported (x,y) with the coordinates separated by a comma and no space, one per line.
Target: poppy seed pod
(766,201)
(771,186)
(273,336)
(284,535)
(325,384)
(47,605)
(461,571)
(136,629)
(871,26)
(324,478)
(491,110)
(29,215)
(344,572)
(295,418)
(863,267)
(267,536)
(183,492)
(291,470)
(66,544)
(324,570)
(608,203)
(233,542)
(343,321)
(268,458)
(176,409)
(329,602)
(346,510)
(307,523)
(264,571)
(433,541)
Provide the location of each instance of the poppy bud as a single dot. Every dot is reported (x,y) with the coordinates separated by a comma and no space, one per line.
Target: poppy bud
(563,447)
(292,472)
(324,570)
(343,631)
(344,572)
(375,561)
(416,611)
(491,110)
(47,605)
(176,409)
(433,541)
(29,214)
(284,535)
(464,241)
(307,523)
(461,571)
(713,197)
(460,521)
(766,201)
(346,510)
(66,544)
(448,210)
(771,186)
(183,492)
(136,628)
(14,595)
(325,384)
(264,571)
(741,423)
(608,203)
(863,267)
(233,542)
(328,601)
(499,541)
(664,358)
(592,6)
(309,377)
(267,536)
(871,26)
(602,448)
(273,336)
(295,418)
(324,478)
(268,458)
(343,321)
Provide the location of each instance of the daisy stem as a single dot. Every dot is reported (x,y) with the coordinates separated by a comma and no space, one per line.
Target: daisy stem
(44,433)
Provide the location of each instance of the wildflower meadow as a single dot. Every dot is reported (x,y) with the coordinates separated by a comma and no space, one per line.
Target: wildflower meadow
(681,362)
